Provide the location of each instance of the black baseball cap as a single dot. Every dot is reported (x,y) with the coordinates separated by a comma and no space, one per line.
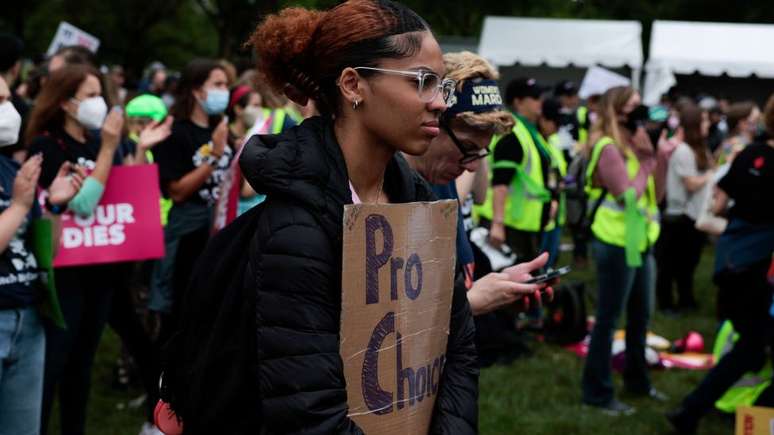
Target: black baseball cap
(565,88)
(524,87)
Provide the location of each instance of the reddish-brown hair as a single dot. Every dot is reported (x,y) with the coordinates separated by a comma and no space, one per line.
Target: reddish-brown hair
(308,49)
(61,86)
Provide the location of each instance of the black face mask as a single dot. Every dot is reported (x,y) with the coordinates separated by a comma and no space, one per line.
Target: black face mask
(637,118)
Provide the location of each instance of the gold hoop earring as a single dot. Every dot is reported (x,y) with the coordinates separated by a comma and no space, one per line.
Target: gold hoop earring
(355,104)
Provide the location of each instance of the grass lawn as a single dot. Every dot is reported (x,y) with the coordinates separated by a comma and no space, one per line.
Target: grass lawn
(536,395)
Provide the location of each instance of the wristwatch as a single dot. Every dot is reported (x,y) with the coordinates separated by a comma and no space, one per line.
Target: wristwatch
(55,209)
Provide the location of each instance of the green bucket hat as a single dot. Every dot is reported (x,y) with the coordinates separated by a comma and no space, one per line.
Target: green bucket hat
(148,106)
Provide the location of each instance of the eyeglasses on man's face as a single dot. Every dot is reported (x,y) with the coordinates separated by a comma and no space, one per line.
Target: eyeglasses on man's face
(429,84)
(470,152)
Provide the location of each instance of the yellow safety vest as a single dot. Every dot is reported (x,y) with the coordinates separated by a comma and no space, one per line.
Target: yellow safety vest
(524,205)
(278,119)
(609,223)
(559,164)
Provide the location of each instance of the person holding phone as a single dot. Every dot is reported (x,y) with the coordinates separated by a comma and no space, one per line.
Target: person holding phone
(622,179)
(71,123)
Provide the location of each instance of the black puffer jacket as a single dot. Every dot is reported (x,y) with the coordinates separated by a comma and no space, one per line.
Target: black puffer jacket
(298,281)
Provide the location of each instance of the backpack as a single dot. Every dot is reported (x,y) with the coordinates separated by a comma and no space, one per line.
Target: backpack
(566,315)
(209,364)
(579,217)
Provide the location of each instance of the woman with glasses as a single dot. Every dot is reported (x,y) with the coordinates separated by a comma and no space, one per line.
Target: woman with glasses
(376,73)
(475,114)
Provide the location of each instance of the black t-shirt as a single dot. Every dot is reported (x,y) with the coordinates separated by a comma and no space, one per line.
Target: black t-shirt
(750,183)
(19,285)
(57,147)
(182,152)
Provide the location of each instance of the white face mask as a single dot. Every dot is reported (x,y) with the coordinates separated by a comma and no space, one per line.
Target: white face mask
(250,114)
(92,112)
(10,124)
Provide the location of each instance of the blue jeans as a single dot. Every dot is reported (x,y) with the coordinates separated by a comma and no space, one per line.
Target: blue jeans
(22,353)
(619,287)
(550,243)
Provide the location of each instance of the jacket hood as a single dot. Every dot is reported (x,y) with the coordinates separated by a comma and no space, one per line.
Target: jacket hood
(302,163)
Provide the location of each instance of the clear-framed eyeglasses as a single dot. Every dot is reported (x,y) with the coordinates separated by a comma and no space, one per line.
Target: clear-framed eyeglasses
(429,84)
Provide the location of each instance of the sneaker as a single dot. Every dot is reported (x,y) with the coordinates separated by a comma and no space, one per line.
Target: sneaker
(150,429)
(658,396)
(615,408)
(681,422)
(652,394)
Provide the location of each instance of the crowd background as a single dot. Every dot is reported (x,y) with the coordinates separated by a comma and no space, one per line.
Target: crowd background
(152,55)
(136,33)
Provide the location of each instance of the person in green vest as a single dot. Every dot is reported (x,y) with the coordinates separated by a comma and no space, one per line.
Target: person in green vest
(521,201)
(549,125)
(623,197)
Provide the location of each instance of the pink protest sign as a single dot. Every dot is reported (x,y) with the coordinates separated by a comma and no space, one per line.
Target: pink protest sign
(125,226)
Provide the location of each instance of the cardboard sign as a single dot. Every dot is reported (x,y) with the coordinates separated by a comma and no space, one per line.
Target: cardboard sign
(125,226)
(754,420)
(397,285)
(67,35)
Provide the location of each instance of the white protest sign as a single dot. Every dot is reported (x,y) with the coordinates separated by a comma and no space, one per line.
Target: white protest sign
(67,35)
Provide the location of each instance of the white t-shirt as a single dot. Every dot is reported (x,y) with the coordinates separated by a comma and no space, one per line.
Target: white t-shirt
(679,200)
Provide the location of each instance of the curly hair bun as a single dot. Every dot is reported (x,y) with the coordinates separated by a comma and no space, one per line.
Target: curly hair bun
(281,40)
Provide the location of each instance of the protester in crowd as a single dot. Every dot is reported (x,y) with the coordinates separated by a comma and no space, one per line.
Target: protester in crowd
(376,73)
(62,126)
(273,116)
(155,81)
(521,202)
(718,129)
(170,89)
(743,257)
(742,119)
(192,161)
(467,128)
(147,125)
(22,352)
(549,127)
(117,78)
(622,187)
(680,242)
(245,109)
(573,118)
(11,49)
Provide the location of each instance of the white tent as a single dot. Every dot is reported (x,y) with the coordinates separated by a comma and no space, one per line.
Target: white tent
(506,41)
(711,49)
